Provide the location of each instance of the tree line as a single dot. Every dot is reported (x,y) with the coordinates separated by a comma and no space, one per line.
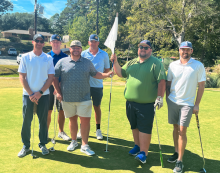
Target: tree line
(166,23)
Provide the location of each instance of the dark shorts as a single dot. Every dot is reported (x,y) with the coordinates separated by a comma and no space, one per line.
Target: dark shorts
(140,116)
(51,100)
(96,94)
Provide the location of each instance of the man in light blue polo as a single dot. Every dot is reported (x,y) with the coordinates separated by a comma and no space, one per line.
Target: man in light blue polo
(100,60)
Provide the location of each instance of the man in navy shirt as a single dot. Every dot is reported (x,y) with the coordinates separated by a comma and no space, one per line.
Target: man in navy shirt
(56,54)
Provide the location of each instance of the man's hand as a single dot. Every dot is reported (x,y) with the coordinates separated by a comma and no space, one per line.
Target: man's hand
(113,58)
(59,97)
(33,99)
(195,109)
(159,102)
(110,74)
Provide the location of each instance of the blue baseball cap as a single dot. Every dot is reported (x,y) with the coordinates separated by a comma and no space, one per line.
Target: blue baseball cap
(38,36)
(93,37)
(145,42)
(55,37)
(186,44)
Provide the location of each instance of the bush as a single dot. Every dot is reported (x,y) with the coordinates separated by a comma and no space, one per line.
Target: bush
(166,63)
(15,39)
(212,81)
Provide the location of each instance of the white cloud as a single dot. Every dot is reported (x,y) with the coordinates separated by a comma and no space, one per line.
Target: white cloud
(54,7)
(18,8)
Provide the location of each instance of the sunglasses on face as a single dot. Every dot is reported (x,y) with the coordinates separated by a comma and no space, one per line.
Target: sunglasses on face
(41,41)
(145,48)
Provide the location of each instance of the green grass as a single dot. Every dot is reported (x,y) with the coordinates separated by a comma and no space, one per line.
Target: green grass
(120,139)
(9,71)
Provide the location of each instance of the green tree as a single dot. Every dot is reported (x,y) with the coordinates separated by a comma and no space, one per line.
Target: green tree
(5,6)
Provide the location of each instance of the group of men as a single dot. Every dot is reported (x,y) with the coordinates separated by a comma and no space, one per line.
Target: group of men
(77,78)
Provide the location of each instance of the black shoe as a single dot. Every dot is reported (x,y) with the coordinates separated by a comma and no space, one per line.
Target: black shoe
(173,158)
(179,167)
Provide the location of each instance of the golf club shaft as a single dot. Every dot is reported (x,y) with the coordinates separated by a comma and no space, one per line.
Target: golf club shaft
(34,112)
(197,120)
(161,156)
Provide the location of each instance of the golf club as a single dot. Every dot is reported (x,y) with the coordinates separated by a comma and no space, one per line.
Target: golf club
(34,112)
(55,128)
(197,120)
(106,150)
(161,156)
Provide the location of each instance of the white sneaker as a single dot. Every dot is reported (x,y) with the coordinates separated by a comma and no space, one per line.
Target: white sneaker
(99,134)
(72,145)
(64,136)
(86,149)
(79,134)
(23,152)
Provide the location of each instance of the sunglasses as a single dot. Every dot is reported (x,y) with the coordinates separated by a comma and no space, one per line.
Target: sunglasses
(41,41)
(145,48)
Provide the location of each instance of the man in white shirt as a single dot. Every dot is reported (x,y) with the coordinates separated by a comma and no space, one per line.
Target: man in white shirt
(100,60)
(182,79)
(36,72)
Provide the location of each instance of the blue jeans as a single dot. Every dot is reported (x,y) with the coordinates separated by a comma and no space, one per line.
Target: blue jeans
(42,112)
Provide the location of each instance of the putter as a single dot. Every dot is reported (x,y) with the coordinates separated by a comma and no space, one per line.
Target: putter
(34,112)
(55,128)
(197,120)
(161,156)
(106,149)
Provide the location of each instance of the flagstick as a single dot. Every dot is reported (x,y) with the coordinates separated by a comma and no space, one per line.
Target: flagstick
(110,43)
(106,150)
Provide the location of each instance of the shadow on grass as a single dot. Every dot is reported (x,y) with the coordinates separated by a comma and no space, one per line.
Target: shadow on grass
(118,159)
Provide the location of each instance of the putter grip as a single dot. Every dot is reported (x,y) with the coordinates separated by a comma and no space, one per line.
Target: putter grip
(197,120)
(35,108)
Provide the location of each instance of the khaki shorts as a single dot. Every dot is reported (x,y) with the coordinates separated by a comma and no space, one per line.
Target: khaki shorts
(179,114)
(82,109)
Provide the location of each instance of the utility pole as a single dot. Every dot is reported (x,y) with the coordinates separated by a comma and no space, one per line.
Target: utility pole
(35,18)
(97,19)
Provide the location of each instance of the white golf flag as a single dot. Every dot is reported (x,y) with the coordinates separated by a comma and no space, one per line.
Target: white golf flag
(112,36)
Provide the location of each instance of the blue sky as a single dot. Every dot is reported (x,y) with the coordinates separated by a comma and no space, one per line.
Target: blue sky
(50,6)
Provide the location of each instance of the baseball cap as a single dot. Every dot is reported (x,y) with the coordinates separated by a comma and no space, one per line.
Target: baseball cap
(93,37)
(38,36)
(76,43)
(186,44)
(145,42)
(55,37)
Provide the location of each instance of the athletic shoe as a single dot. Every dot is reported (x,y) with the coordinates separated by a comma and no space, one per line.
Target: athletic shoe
(173,158)
(99,134)
(79,134)
(86,149)
(64,136)
(44,150)
(179,167)
(23,152)
(72,145)
(134,151)
(141,157)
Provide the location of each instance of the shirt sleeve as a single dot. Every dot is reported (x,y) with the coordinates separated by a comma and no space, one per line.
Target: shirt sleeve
(22,67)
(51,67)
(159,72)
(92,71)
(169,74)
(123,70)
(58,69)
(201,73)
(106,62)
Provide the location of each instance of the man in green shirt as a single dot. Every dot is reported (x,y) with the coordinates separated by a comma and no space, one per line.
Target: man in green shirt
(144,90)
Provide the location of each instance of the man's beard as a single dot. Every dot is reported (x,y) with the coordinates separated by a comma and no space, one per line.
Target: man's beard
(186,56)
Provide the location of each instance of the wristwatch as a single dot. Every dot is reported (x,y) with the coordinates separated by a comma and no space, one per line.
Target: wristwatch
(41,92)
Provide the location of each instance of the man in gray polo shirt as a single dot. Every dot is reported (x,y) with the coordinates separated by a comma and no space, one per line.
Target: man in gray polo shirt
(74,92)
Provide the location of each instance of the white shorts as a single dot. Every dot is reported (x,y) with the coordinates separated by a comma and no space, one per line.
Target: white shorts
(82,109)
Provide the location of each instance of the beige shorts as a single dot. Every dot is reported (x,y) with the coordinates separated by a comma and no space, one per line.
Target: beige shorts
(82,109)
